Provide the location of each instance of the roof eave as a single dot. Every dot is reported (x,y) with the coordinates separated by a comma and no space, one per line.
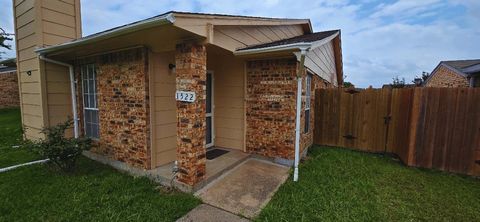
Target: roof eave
(278,48)
(299,46)
(149,23)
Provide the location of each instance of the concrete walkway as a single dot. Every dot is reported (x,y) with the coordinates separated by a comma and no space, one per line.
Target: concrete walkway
(207,213)
(246,189)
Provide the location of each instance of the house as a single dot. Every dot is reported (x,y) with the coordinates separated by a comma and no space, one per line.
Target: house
(161,91)
(9,96)
(455,73)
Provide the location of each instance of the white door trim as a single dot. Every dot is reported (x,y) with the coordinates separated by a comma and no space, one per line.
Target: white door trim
(211,114)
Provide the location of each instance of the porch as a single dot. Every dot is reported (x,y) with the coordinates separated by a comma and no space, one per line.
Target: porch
(215,168)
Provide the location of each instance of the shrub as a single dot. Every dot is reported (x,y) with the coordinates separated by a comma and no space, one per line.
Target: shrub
(63,152)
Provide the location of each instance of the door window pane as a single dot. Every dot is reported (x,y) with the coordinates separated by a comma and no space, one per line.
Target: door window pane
(209,93)
(208,134)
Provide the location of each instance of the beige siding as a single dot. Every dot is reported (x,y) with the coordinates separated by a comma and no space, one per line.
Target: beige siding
(321,61)
(234,37)
(30,87)
(44,94)
(228,74)
(164,118)
(58,93)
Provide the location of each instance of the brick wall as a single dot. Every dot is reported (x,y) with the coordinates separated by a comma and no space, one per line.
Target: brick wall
(191,75)
(445,77)
(123,103)
(271,107)
(9,96)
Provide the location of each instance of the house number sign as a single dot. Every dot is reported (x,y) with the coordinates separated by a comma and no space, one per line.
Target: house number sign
(185,96)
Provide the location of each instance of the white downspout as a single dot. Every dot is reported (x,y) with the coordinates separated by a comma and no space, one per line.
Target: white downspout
(73,90)
(298,116)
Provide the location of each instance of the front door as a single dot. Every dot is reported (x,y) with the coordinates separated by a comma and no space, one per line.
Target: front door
(209,135)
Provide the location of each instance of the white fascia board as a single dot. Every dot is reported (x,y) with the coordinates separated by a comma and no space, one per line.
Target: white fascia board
(277,48)
(319,43)
(148,23)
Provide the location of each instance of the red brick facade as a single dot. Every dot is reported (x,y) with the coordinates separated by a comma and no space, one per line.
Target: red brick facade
(9,96)
(123,103)
(445,77)
(271,107)
(191,75)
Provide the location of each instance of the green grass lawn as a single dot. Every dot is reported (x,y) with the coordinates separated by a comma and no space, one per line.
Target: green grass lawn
(94,193)
(10,135)
(343,185)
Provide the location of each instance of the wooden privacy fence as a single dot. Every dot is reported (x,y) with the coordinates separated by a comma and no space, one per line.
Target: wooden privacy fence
(426,127)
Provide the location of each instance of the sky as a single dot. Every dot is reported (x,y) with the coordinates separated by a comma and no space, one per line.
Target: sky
(381,39)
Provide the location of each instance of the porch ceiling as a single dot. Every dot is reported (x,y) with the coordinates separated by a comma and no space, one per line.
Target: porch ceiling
(158,39)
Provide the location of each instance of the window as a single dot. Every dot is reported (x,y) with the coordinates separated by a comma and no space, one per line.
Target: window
(308,90)
(90,108)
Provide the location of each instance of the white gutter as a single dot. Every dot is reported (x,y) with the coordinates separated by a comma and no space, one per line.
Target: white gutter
(298,116)
(276,48)
(147,23)
(73,90)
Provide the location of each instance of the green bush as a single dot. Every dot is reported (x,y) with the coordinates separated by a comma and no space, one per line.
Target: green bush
(63,152)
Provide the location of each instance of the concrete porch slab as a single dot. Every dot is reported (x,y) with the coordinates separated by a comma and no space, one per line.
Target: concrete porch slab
(215,168)
(207,213)
(246,189)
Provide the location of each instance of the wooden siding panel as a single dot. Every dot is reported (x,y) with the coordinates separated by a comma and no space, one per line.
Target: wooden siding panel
(59,6)
(58,29)
(34,77)
(31,110)
(52,39)
(27,42)
(32,99)
(53,16)
(322,62)
(28,65)
(26,18)
(30,88)
(234,37)
(229,94)
(26,54)
(164,108)
(26,30)
(23,7)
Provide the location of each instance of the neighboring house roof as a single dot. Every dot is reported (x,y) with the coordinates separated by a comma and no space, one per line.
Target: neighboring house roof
(307,38)
(12,62)
(7,69)
(165,18)
(464,68)
(460,65)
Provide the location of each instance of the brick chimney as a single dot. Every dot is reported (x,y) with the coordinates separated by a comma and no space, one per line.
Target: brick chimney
(40,23)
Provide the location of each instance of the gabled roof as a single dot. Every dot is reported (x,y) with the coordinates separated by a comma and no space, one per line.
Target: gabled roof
(461,67)
(163,19)
(307,38)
